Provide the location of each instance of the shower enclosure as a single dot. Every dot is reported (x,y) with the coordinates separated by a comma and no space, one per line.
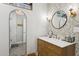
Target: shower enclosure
(17,33)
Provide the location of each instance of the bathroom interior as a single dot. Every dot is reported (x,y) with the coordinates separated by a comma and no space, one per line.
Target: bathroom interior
(39,29)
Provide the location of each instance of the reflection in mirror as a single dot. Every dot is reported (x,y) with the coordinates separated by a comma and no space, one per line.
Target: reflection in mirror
(59,19)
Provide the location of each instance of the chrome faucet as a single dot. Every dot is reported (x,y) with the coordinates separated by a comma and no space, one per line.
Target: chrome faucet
(50,34)
(55,35)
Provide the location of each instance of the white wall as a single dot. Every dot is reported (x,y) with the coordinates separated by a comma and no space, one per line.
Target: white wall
(4,30)
(36,26)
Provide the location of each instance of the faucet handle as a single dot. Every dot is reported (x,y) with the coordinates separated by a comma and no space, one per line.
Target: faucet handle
(54,36)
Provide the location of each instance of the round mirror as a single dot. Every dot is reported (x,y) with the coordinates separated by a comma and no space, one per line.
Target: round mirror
(59,19)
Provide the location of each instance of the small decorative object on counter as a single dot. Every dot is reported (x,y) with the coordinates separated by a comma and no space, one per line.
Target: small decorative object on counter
(73,37)
(70,38)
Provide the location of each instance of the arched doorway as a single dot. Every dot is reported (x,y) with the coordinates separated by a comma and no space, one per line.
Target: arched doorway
(17,33)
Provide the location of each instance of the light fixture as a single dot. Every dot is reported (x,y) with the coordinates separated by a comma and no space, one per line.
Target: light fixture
(72,12)
(19,12)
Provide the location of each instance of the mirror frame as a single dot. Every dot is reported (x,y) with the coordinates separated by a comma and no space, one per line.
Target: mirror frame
(53,19)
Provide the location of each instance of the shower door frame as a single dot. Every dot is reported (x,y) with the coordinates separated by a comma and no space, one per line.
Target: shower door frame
(23,32)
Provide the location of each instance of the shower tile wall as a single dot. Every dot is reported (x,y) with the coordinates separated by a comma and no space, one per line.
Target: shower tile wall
(19,29)
(71,22)
(13,30)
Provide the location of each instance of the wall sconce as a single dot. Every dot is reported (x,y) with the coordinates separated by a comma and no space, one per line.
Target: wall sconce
(49,18)
(19,12)
(72,12)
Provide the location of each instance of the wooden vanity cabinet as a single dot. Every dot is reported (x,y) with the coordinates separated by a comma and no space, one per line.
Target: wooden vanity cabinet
(47,49)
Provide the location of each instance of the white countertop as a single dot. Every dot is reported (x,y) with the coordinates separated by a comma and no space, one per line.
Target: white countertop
(56,42)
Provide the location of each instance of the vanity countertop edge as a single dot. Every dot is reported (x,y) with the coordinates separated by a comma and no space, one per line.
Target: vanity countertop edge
(56,42)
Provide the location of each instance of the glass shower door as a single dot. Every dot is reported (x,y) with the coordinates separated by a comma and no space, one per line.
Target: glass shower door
(17,33)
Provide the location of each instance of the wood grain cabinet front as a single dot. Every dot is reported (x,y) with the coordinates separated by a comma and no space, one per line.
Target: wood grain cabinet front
(47,49)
